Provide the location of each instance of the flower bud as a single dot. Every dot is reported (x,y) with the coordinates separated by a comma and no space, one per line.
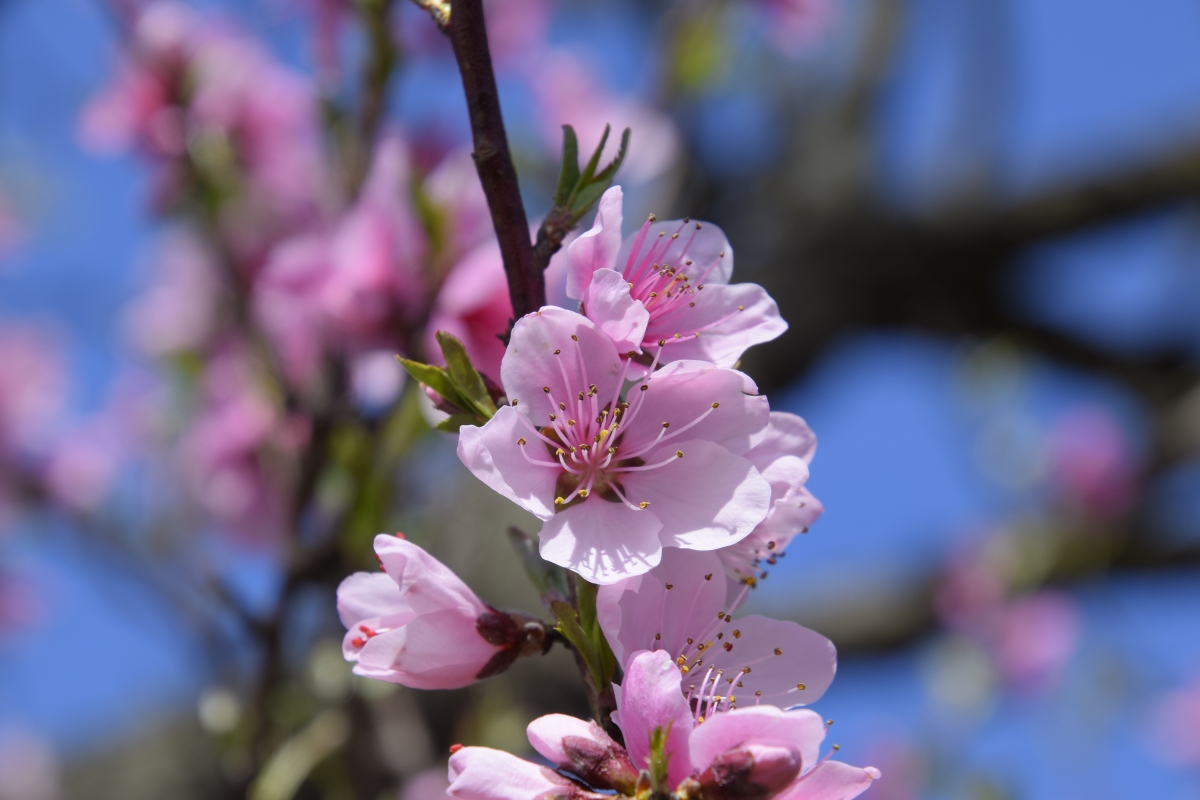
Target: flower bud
(751,772)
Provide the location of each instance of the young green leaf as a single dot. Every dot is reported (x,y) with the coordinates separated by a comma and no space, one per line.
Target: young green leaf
(436,378)
(568,176)
(465,377)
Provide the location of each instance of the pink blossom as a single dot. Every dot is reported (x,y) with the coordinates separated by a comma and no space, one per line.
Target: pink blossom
(684,605)
(453,188)
(1175,725)
(419,625)
(568,92)
(665,290)
(782,458)
(796,25)
(1033,637)
(430,784)
(230,447)
(608,478)
(32,384)
(1092,462)
(348,289)
(29,769)
(712,749)
(475,306)
(178,311)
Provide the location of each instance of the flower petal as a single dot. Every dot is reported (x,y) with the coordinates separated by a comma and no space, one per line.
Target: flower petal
(832,780)
(493,455)
(729,318)
(602,541)
(586,356)
(706,500)
(426,583)
(597,249)
(613,309)
(642,614)
(781,655)
(366,595)
(439,650)
(651,698)
(481,773)
(701,243)
(801,730)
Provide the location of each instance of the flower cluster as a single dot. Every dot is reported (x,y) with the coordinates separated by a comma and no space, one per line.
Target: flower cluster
(662,478)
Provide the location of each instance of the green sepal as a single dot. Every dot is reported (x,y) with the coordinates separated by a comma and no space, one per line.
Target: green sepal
(465,377)
(452,423)
(436,378)
(568,176)
(582,629)
(550,580)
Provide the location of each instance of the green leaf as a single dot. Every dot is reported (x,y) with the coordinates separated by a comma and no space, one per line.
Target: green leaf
(586,195)
(568,176)
(606,662)
(452,423)
(465,377)
(436,378)
(590,170)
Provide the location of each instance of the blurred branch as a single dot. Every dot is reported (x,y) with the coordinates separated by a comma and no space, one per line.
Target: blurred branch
(377,69)
(468,36)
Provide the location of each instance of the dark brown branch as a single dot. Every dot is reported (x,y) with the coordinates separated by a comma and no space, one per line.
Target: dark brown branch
(468,36)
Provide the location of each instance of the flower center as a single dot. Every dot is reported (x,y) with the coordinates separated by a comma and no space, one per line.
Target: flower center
(584,436)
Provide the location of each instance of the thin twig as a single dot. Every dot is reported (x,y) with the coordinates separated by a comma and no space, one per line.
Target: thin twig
(468,36)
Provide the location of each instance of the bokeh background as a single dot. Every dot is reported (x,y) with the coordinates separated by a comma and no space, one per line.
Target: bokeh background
(978,218)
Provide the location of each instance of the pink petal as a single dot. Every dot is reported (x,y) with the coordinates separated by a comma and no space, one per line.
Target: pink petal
(708,499)
(702,245)
(492,455)
(365,595)
(642,614)
(683,392)
(729,318)
(651,698)
(530,364)
(481,773)
(597,249)
(787,435)
(615,312)
(546,734)
(426,583)
(438,650)
(805,658)
(832,780)
(603,541)
(801,730)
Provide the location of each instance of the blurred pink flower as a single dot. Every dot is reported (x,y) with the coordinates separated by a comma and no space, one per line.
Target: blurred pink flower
(516,28)
(796,25)
(611,497)
(430,784)
(665,291)
(474,305)
(178,310)
(755,751)
(345,290)
(418,624)
(1175,726)
(32,384)
(1092,462)
(225,453)
(684,605)
(969,590)
(1033,637)
(28,768)
(568,92)
(454,189)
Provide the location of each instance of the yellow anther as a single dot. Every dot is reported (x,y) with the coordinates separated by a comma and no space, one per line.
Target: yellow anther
(558,501)
(678,454)
(800,686)
(737,634)
(583,492)
(643,504)
(716,405)
(778,652)
(521,440)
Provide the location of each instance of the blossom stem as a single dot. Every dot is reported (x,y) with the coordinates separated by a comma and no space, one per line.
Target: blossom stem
(493,161)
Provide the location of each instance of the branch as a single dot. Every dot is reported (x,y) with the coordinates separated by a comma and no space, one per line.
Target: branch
(468,36)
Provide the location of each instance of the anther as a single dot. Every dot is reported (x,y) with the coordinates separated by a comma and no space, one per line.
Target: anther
(658,637)
(800,686)
(758,693)
(837,747)
(677,336)
(691,305)
(662,342)
(652,218)
(681,660)
(686,220)
(778,652)
(741,308)
(679,454)
(581,395)
(684,670)
(737,634)
(674,235)
(558,501)
(729,647)
(521,441)
(701,286)
(552,418)
(556,352)
(583,493)
(632,353)
(514,402)
(691,640)
(721,254)
(716,405)
(570,422)
(654,294)
(770,545)
(546,389)
(666,424)
(562,406)
(644,387)
(574,338)
(707,577)
(643,504)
